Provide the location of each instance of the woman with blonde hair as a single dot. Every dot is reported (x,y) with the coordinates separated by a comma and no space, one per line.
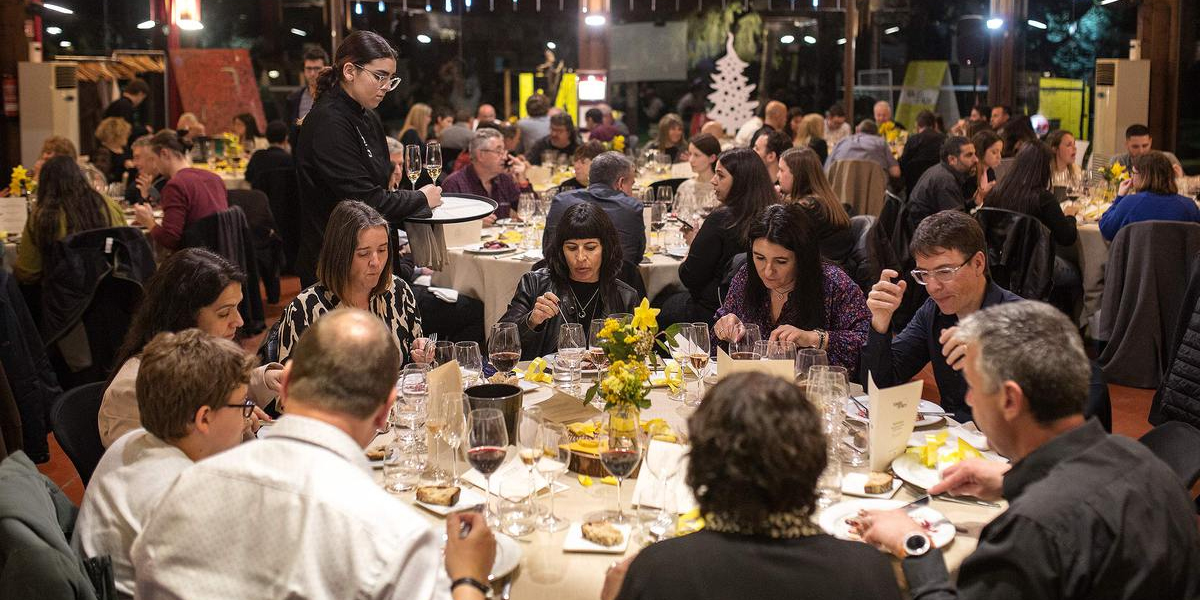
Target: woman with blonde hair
(189,124)
(670,137)
(112,135)
(810,135)
(416,124)
(802,181)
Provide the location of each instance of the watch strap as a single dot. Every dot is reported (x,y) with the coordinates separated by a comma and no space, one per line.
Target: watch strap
(484,588)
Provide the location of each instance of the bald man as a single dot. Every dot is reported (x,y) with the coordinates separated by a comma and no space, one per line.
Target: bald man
(774,119)
(485,114)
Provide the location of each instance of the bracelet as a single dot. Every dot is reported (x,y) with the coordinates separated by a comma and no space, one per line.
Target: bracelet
(483,588)
(821,339)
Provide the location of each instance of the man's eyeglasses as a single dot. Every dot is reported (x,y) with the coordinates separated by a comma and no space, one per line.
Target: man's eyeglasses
(940,274)
(246,405)
(382,79)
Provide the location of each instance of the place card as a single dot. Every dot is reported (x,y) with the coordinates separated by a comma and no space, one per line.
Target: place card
(13,214)
(649,491)
(444,379)
(893,416)
(565,408)
(726,366)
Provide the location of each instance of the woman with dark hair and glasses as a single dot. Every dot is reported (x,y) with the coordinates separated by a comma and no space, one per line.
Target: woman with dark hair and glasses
(744,189)
(355,270)
(790,293)
(579,282)
(757,451)
(192,288)
(342,150)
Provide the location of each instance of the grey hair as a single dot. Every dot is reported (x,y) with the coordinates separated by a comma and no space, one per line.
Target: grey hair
(484,135)
(142,142)
(1036,346)
(394,145)
(609,167)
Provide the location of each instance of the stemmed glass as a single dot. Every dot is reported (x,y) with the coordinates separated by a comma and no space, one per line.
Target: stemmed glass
(487,443)
(781,350)
(597,356)
(664,468)
(504,347)
(443,352)
(571,345)
(433,160)
(435,424)
(807,358)
(697,336)
(412,163)
(529,446)
(452,412)
(658,218)
(665,195)
(469,362)
(552,464)
(744,347)
(623,451)
(413,386)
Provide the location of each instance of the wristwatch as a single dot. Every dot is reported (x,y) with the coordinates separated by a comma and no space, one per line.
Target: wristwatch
(484,588)
(916,544)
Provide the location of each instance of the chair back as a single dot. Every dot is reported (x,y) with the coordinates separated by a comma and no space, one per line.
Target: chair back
(227,233)
(859,183)
(74,418)
(1020,252)
(1145,283)
(860,266)
(1178,445)
(673,183)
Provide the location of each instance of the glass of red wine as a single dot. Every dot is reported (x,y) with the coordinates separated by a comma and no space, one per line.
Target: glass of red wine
(504,347)
(487,446)
(622,453)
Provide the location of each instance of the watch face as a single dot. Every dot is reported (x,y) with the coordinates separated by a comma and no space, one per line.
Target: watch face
(916,544)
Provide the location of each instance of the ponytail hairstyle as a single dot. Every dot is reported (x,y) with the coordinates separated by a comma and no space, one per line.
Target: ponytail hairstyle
(170,139)
(359,48)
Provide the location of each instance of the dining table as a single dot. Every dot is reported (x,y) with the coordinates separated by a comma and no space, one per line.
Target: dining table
(547,571)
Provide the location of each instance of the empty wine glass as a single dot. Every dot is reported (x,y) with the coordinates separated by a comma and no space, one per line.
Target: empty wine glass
(487,445)
(504,347)
(553,463)
(806,359)
(470,363)
(433,160)
(745,346)
(529,445)
(443,352)
(412,163)
(455,422)
(781,350)
(410,411)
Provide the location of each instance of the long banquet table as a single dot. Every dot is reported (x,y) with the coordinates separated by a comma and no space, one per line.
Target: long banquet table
(547,572)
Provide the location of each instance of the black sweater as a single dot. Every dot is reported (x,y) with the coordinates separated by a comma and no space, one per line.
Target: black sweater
(708,259)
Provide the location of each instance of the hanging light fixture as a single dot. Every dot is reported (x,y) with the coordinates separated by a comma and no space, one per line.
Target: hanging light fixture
(358,8)
(381,7)
(186,15)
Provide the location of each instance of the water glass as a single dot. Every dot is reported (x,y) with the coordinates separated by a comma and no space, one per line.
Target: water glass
(403,462)
(572,346)
(469,362)
(829,485)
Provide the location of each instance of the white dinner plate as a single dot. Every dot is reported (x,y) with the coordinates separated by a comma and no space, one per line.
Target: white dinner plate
(909,468)
(677,252)
(467,497)
(549,358)
(833,519)
(508,556)
(574,541)
(854,484)
(459,208)
(854,413)
(479,249)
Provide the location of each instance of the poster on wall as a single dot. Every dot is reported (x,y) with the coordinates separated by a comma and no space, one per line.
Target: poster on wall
(631,45)
(216,85)
(927,85)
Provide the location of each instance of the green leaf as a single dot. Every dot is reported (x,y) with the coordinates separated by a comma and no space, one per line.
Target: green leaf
(591,393)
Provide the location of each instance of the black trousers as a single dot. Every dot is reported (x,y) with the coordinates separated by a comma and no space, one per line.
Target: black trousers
(460,321)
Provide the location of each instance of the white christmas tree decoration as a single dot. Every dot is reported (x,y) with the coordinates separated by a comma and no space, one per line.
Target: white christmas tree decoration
(731,90)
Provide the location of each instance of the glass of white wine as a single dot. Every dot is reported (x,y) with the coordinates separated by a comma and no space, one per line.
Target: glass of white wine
(433,160)
(412,163)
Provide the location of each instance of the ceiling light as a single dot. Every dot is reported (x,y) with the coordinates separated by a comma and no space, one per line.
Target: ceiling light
(381,7)
(595,20)
(300,32)
(424,39)
(891,30)
(995,23)
(841,41)
(64,44)
(1103,2)
(358,8)
(787,39)
(1036,24)
(551,45)
(190,25)
(147,24)
(273,74)
(808,39)
(54,30)
(57,8)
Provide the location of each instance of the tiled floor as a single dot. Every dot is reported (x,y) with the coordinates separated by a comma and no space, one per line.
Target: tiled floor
(1129,405)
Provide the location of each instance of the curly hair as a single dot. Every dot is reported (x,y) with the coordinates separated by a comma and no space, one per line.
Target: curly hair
(757,449)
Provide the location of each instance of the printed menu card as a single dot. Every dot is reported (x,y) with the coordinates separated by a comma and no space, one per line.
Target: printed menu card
(893,415)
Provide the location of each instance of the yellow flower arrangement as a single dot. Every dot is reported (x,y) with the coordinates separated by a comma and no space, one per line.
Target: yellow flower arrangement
(888,131)
(20,176)
(1114,174)
(618,143)
(628,346)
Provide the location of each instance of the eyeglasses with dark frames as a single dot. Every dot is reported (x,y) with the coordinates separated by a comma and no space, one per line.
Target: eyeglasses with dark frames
(246,405)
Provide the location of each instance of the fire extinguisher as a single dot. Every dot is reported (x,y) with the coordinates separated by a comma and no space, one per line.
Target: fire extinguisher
(10,96)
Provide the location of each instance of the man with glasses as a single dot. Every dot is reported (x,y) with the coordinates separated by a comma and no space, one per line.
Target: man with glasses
(491,173)
(942,186)
(951,257)
(301,100)
(191,394)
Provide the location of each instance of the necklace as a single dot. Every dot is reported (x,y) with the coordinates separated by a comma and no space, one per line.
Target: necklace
(784,294)
(583,309)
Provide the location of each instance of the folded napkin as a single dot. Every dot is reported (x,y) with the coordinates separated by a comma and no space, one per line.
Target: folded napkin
(445,294)
(428,244)
(649,490)
(512,475)
(425,280)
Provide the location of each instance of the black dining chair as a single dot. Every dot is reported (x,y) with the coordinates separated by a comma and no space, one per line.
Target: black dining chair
(73,419)
(1177,444)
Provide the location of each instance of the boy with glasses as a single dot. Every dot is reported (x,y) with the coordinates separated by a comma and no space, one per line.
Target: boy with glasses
(951,257)
(191,394)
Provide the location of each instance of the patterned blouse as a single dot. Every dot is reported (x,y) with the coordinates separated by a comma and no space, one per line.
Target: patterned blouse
(396,306)
(846,314)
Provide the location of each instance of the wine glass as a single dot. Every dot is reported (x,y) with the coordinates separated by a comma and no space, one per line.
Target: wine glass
(443,352)
(567,359)
(658,218)
(487,445)
(597,356)
(504,347)
(680,348)
(412,163)
(744,347)
(698,353)
(435,424)
(452,433)
(665,195)
(529,446)
(781,350)
(554,461)
(469,362)
(807,358)
(664,466)
(413,388)
(623,451)
(433,160)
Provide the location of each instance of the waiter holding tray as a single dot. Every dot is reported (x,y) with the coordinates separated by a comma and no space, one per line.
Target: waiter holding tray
(342,151)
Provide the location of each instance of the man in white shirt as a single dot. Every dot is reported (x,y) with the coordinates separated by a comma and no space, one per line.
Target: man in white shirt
(297,514)
(191,394)
(836,127)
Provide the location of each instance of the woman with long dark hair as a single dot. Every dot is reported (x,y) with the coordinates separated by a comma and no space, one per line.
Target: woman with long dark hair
(1026,189)
(744,189)
(791,294)
(67,203)
(245,126)
(342,149)
(579,282)
(802,181)
(989,148)
(192,288)
(703,151)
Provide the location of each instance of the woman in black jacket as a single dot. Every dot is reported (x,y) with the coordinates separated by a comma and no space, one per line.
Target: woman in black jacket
(579,282)
(744,189)
(342,152)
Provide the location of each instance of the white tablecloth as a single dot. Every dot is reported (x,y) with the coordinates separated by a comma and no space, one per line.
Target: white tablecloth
(1093,255)
(10,255)
(546,572)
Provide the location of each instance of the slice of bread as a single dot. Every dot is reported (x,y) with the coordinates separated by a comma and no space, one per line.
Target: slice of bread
(376,453)
(441,495)
(878,483)
(602,533)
